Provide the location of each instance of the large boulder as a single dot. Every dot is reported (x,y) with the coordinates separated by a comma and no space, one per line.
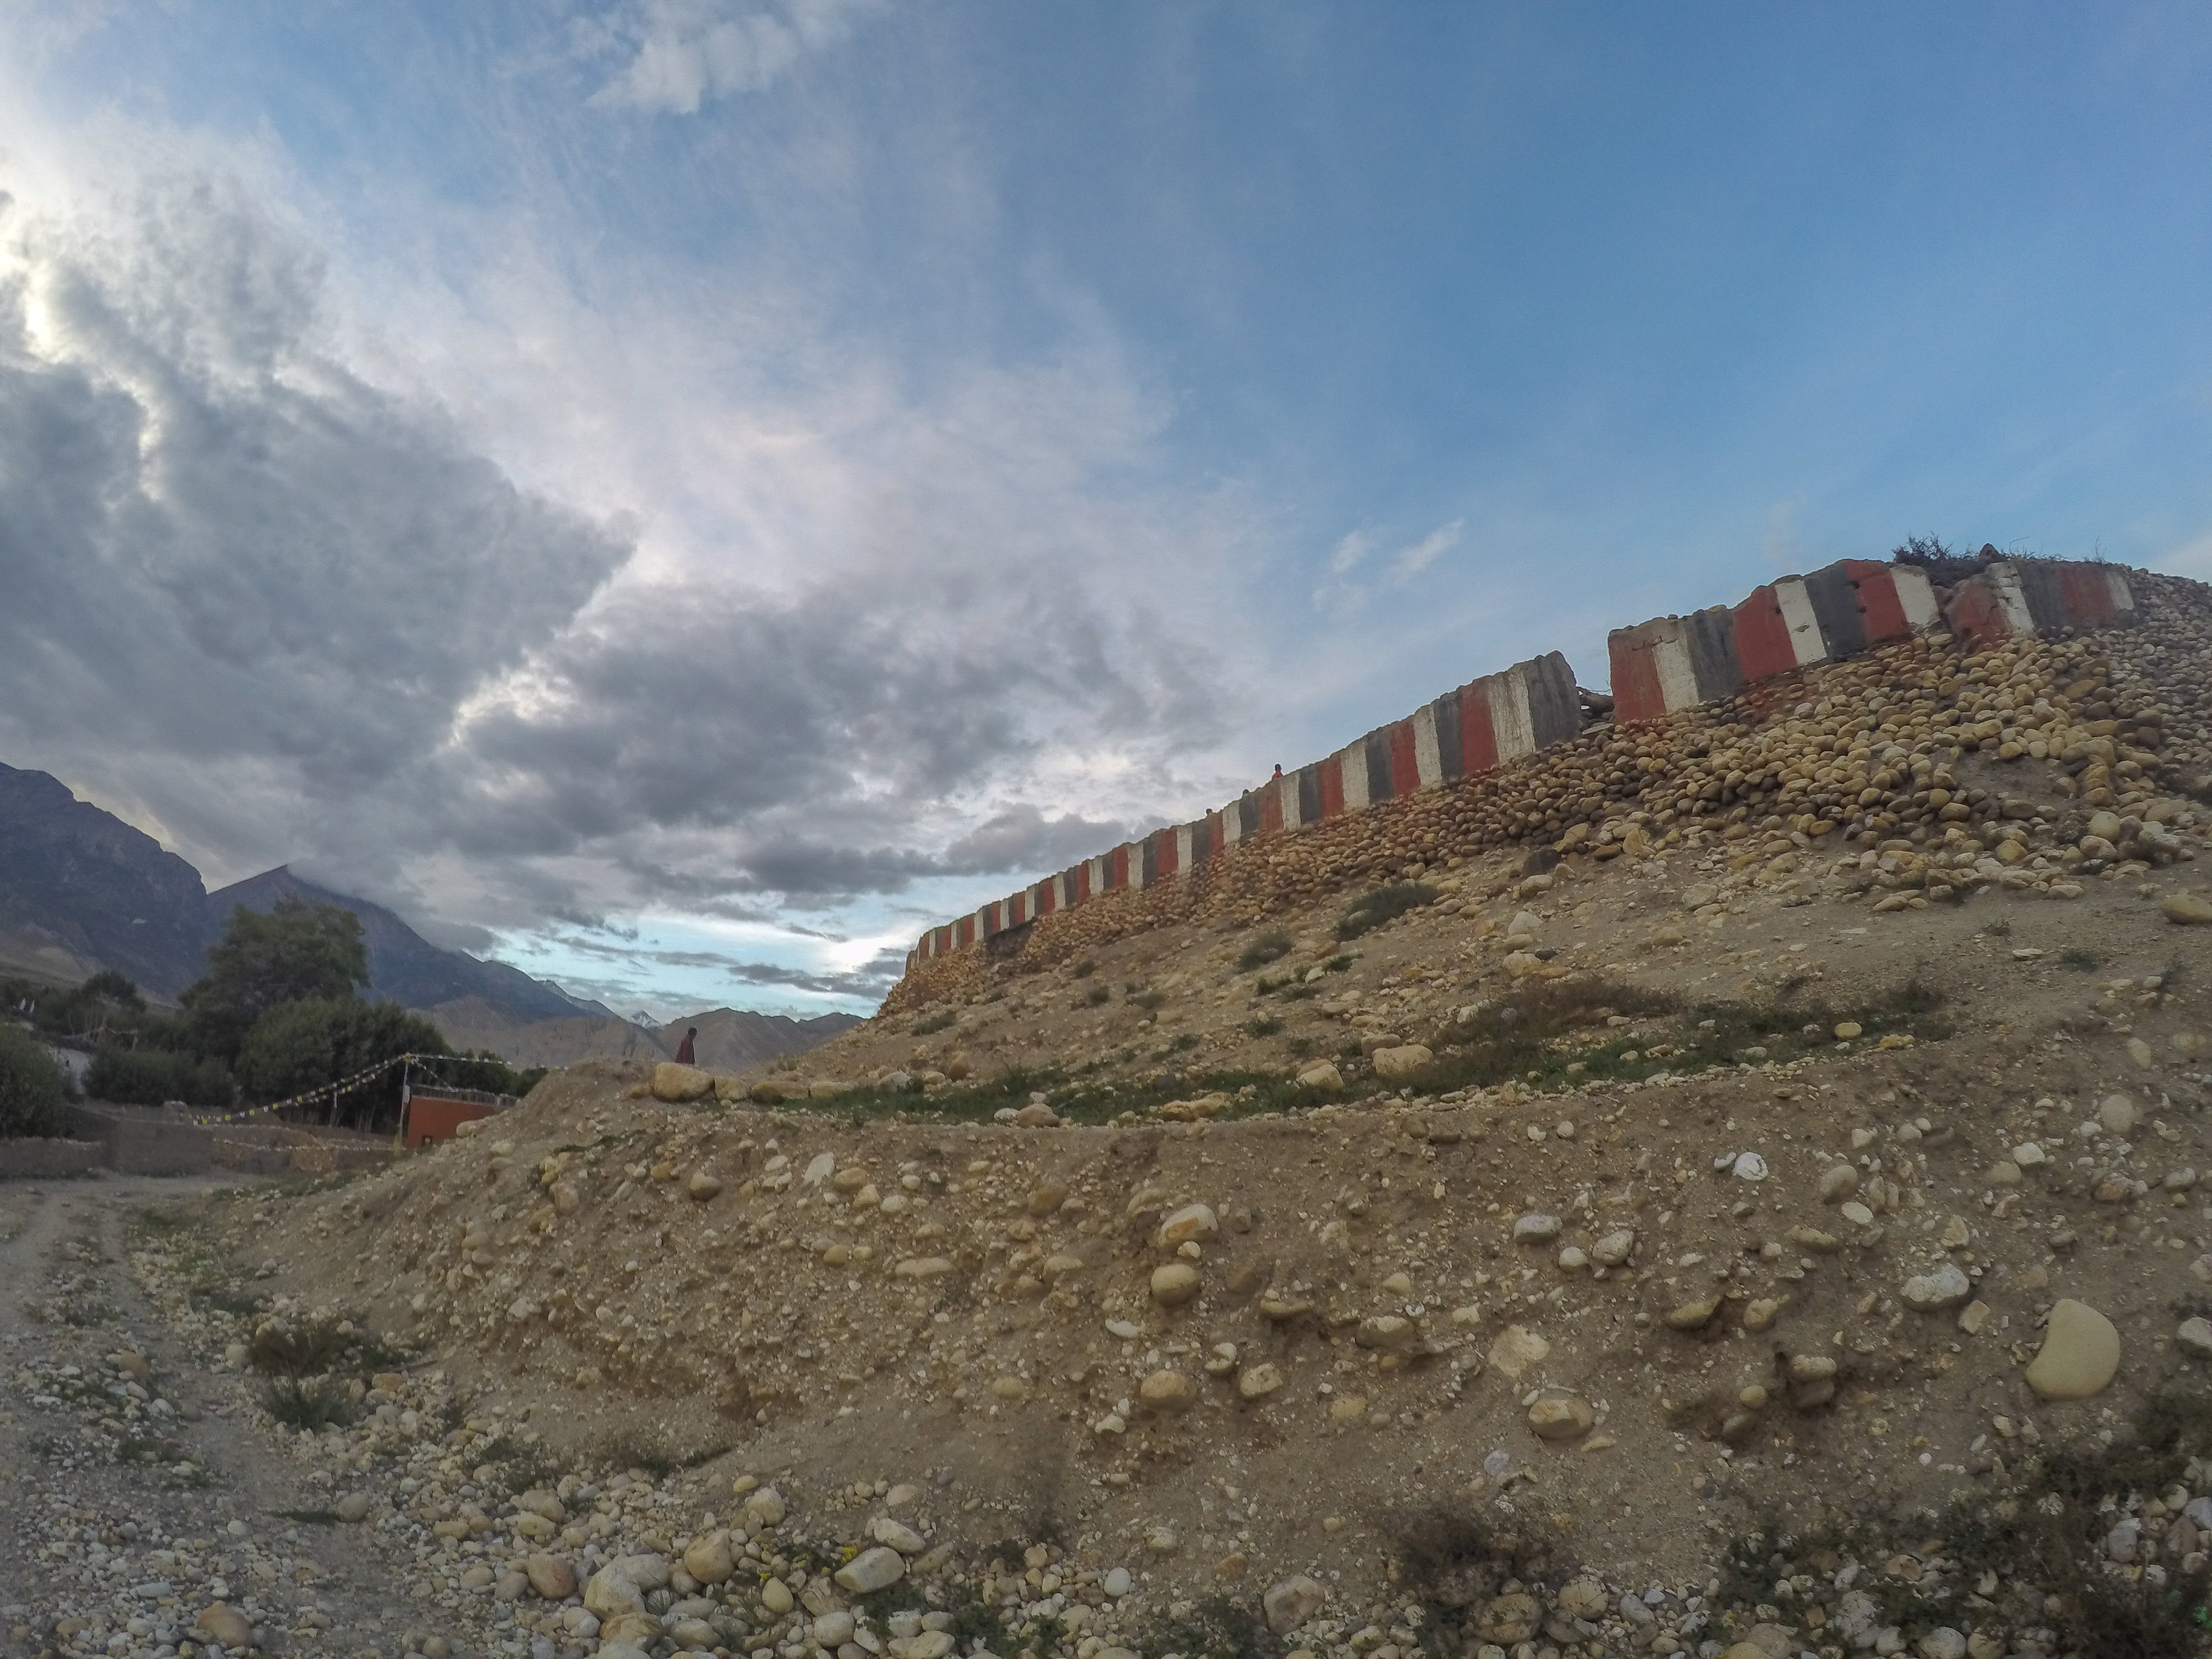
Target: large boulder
(679,1084)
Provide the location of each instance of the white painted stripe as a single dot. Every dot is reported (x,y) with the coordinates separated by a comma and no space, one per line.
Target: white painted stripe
(1510,719)
(2004,582)
(1100,867)
(1351,769)
(1917,595)
(1428,755)
(1286,787)
(1232,823)
(1797,608)
(2116,583)
(1670,656)
(1182,839)
(1136,862)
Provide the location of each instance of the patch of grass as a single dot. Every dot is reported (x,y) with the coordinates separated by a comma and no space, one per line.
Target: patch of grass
(1371,909)
(1096,996)
(1301,1048)
(1264,1027)
(1181,1043)
(1216,1626)
(313,1403)
(1147,999)
(1538,1033)
(1269,947)
(225,1298)
(2000,929)
(2081,961)
(307,1517)
(943,1019)
(1085,969)
(1337,964)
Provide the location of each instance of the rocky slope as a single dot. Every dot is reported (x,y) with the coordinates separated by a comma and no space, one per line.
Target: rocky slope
(1731,1188)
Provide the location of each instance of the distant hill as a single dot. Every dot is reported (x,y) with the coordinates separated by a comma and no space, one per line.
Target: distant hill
(403,965)
(82,890)
(730,1039)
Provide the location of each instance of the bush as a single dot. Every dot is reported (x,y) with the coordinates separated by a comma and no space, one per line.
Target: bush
(32,1089)
(1370,910)
(154,1077)
(301,1046)
(1269,947)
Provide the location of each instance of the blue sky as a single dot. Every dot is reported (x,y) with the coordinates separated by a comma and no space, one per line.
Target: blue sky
(743,479)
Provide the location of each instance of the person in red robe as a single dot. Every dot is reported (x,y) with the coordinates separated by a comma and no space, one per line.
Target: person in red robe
(686,1054)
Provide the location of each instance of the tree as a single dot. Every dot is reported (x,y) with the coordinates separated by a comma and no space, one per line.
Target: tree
(154,1077)
(32,1089)
(109,985)
(297,952)
(298,1046)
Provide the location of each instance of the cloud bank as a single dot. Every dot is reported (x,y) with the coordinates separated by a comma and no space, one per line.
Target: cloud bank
(277,612)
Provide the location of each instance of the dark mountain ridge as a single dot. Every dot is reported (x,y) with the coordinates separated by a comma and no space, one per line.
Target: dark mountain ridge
(109,895)
(106,893)
(403,965)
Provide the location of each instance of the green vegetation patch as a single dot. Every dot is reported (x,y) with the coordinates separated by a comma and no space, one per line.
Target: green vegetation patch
(1371,909)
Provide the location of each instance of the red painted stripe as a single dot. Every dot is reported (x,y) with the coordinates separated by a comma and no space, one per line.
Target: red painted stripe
(1332,786)
(1271,806)
(2088,599)
(966,930)
(1048,896)
(1878,601)
(1083,881)
(1405,768)
(1477,737)
(1762,637)
(1975,614)
(1214,832)
(1635,694)
(1117,871)
(1163,854)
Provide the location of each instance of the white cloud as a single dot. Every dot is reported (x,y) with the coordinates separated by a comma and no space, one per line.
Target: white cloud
(1410,561)
(1350,552)
(684,53)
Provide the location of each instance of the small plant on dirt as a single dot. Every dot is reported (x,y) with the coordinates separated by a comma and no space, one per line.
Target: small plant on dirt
(1371,909)
(2000,929)
(1085,969)
(314,1404)
(1147,999)
(930,1024)
(1096,996)
(2080,961)
(1269,947)
(1217,1626)
(1264,1027)
(1301,1048)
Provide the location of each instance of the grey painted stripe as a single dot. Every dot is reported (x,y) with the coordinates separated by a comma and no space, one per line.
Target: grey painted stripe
(1449,750)
(1555,713)
(1836,603)
(1710,636)
(1378,766)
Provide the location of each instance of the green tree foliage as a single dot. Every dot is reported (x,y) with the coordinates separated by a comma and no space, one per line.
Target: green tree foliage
(154,1077)
(32,1087)
(298,1046)
(296,953)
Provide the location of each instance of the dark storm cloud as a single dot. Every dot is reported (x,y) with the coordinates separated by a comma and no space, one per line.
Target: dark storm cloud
(288,615)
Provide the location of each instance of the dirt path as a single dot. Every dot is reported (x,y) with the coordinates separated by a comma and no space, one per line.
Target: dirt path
(137,1490)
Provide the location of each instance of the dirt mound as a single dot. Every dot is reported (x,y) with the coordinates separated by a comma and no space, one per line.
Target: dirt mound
(1720,1224)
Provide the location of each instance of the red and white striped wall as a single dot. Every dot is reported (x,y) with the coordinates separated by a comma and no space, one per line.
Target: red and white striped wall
(1678,662)
(1659,667)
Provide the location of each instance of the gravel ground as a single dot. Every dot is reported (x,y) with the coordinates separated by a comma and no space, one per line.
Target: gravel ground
(140,1493)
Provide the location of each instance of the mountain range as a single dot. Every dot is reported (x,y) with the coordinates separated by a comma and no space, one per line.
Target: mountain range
(81,891)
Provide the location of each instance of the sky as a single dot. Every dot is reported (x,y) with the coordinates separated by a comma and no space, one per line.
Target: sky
(682,495)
